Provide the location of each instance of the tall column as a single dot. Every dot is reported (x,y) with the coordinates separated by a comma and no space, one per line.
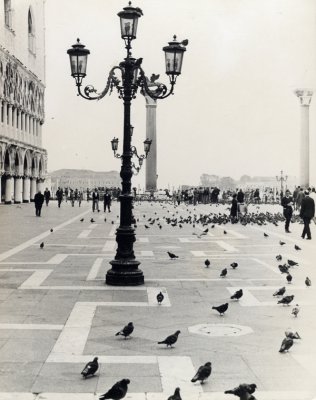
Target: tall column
(151,161)
(26,189)
(8,189)
(1,187)
(305,96)
(18,184)
(9,127)
(33,188)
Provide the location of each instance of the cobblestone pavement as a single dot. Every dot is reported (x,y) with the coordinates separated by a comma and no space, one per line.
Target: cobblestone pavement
(56,313)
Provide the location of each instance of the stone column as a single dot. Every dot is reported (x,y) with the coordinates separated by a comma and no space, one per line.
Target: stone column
(33,188)
(151,161)
(0,187)
(18,184)
(9,127)
(305,96)
(26,189)
(8,189)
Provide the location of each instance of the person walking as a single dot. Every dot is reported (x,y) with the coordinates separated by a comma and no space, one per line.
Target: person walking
(234,209)
(38,201)
(287,204)
(299,197)
(72,197)
(295,193)
(307,213)
(95,200)
(47,196)
(80,195)
(107,201)
(59,195)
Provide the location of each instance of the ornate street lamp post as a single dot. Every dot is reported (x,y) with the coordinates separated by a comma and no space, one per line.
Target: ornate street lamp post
(281,179)
(125,271)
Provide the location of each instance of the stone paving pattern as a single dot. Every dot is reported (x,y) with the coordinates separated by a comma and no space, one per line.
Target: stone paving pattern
(56,313)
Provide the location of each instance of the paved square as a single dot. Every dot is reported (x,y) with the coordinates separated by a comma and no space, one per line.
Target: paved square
(56,313)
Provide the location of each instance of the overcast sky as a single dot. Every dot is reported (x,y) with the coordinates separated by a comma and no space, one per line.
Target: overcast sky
(233,112)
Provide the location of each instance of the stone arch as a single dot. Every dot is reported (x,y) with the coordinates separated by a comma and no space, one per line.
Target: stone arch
(7,161)
(41,167)
(27,163)
(18,162)
(34,165)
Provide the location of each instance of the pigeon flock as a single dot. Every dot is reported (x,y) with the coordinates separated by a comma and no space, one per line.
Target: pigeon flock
(208,221)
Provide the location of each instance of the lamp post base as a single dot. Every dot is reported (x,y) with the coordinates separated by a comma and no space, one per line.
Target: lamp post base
(124,273)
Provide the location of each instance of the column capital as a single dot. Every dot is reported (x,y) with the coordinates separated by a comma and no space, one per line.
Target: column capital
(305,96)
(150,102)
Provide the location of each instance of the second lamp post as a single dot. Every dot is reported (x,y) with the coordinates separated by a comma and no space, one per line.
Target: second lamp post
(125,271)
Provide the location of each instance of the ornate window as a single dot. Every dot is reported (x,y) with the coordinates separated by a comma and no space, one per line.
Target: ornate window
(31,32)
(7,14)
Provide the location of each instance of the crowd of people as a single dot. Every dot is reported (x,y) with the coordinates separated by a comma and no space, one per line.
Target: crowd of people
(301,200)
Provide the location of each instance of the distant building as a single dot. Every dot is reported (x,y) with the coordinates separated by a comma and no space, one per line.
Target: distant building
(23,161)
(83,179)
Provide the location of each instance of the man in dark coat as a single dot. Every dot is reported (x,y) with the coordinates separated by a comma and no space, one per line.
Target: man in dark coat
(240,196)
(47,196)
(95,200)
(287,204)
(59,195)
(38,201)
(307,213)
(107,201)
(234,209)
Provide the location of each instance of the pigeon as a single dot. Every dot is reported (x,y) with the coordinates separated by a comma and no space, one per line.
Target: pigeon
(104,219)
(237,295)
(221,309)
(278,257)
(296,247)
(170,340)
(172,256)
(280,292)
(281,243)
(207,263)
(146,226)
(295,310)
(265,234)
(176,395)
(203,373)
(225,233)
(234,265)
(223,273)
(160,297)
(308,282)
(117,391)
(126,331)
(205,230)
(51,229)
(42,245)
(292,335)
(92,220)
(185,42)
(243,391)
(292,263)
(91,368)
(286,344)
(283,268)
(82,219)
(289,278)
(286,300)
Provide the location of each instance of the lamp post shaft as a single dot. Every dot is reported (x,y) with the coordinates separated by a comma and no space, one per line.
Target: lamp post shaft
(124,271)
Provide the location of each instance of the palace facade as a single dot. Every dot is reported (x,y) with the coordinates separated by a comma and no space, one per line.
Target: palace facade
(23,161)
